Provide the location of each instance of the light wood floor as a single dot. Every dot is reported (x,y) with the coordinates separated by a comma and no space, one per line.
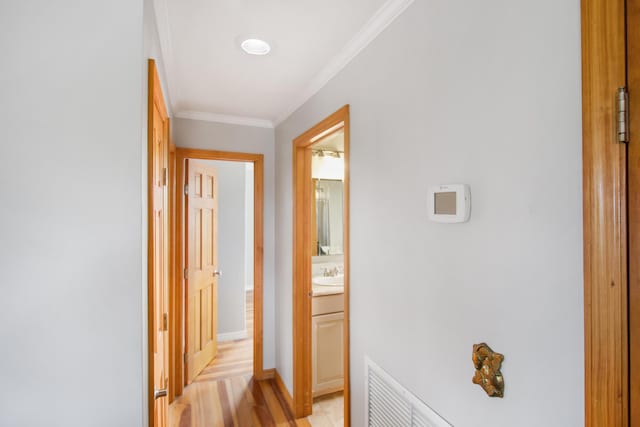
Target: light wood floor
(226,395)
(328,411)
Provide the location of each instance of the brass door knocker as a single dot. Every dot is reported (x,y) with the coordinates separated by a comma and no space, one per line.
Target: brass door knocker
(488,375)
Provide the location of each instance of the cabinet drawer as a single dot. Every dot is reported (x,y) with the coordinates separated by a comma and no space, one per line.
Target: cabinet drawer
(327,304)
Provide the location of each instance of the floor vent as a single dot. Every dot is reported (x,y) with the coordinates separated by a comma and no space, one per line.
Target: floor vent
(391,405)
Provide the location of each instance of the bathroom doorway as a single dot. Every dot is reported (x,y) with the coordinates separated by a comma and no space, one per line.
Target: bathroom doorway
(321,272)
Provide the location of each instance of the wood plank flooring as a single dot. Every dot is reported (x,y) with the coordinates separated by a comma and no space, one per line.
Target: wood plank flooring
(226,395)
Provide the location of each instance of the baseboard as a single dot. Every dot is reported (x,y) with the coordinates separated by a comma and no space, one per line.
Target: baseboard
(266,374)
(328,391)
(232,336)
(283,390)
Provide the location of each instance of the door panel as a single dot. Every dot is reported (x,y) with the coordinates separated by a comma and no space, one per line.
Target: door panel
(328,353)
(158,252)
(202,257)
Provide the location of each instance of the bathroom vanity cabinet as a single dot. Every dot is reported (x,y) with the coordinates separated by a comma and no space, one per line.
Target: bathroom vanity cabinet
(327,344)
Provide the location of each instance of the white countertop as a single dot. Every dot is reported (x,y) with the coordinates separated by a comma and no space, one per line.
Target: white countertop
(319,290)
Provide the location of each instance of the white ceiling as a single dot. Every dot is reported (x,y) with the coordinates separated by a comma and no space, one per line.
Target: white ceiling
(210,77)
(332,142)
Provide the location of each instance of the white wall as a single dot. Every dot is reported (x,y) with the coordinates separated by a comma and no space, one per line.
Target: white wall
(152,50)
(231,247)
(485,93)
(249,236)
(71,319)
(218,136)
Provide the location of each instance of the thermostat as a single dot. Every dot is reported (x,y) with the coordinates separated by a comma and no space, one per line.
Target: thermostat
(450,203)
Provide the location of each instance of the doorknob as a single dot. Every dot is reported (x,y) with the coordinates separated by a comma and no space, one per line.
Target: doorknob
(159,393)
(217,273)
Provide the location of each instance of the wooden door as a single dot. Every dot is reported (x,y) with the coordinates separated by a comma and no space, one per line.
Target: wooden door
(158,144)
(633,168)
(202,266)
(611,186)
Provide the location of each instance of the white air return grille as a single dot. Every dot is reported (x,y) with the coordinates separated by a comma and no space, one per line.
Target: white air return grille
(391,405)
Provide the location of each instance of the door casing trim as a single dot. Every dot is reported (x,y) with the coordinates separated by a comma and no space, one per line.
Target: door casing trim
(633,84)
(604,216)
(155,98)
(258,250)
(302,234)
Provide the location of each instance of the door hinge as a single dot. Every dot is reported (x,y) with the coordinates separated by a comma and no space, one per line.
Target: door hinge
(186,274)
(165,177)
(184,357)
(623,115)
(165,321)
(186,189)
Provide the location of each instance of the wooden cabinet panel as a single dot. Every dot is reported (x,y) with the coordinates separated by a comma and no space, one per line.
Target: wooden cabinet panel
(328,353)
(327,304)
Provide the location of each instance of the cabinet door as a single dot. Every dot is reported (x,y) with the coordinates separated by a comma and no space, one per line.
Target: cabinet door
(328,353)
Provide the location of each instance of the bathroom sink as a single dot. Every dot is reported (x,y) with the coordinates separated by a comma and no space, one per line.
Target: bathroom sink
(328,280)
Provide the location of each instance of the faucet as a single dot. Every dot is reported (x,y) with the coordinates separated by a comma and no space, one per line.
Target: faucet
(330,272)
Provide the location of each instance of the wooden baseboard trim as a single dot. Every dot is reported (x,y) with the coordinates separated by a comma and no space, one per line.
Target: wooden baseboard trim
(266,374)
(283,390)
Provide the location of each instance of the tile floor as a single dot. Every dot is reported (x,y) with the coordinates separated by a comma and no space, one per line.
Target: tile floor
(328,411)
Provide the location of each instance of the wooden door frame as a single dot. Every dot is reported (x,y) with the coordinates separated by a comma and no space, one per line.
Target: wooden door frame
(155,99)
(605,216)
(633,83)
(175,384)
(302,232)
(182,154)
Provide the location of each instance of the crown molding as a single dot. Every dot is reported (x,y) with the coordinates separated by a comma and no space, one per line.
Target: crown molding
(378,22)
(223,118)
(374,26)
(161,12)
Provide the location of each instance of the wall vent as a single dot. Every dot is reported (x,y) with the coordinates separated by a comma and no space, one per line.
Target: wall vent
(391,405)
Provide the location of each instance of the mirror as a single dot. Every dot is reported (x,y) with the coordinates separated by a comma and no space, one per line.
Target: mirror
(327,170)
(329,214)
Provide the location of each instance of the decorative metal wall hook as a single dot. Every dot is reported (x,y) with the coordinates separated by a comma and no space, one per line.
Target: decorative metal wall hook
(488,375)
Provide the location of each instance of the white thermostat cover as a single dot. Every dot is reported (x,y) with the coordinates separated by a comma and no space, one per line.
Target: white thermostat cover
(449,203)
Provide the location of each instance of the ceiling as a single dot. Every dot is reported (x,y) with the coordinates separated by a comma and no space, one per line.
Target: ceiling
(210,77)
(332,142)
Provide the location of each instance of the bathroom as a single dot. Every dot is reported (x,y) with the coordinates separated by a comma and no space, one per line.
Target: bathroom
(327,271)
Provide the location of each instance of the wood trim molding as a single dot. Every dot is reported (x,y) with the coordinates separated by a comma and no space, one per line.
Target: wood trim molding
(151,76)
(633,83)
(175,308)
(347,267)
(266,374)
(283,390)
(302,235)
(155,101)
(604,210)
(258,243)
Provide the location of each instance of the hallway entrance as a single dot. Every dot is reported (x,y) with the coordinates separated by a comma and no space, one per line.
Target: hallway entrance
(216,297)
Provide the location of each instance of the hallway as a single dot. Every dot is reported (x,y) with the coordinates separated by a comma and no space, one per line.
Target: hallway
(225,394)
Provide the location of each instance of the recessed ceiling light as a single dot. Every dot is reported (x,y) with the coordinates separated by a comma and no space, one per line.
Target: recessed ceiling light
(255,47)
